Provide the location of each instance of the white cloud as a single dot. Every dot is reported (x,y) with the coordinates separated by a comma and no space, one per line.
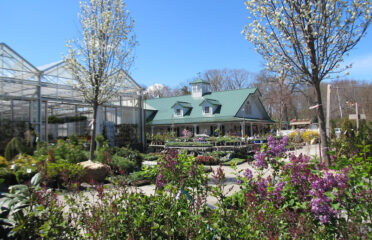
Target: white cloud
(155,87)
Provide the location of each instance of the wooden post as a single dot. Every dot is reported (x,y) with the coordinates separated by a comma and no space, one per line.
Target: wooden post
(328,109)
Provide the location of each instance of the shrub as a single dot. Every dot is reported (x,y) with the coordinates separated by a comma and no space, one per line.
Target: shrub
(295,136)
(22,160)
(310,136)
(8,176)
(132,155)
(61,173)
(68,151)
(206,160)
(24,174)
(120,164)
(14,147)
(3,162)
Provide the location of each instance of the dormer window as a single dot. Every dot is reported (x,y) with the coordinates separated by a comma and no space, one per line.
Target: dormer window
(181,109)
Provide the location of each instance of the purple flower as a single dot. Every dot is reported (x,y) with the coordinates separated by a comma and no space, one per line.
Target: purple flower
(160,181)
(260,158)
(248,174)
(277,193)
(239,181)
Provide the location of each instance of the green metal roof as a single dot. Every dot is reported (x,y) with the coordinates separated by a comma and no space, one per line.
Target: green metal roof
(211,101)
(198,81)
(230,102)
(204,120)
(182,104)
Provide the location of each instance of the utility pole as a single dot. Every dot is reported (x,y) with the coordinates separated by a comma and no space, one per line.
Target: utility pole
(328,109)
(357,115)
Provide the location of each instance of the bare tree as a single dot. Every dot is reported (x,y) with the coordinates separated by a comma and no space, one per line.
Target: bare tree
(308,38)
(98,59)
(277,92)
(228,79)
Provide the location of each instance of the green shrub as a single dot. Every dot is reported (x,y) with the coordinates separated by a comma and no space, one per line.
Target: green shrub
(68,151)
(60,173)
(73,139)
(234,161)
(14,147)
(132,155)
(119,163)
(3,162)
(8,176)
(24,174)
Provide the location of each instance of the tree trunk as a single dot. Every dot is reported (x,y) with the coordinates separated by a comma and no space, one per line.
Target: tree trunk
(93,139)
(322,126)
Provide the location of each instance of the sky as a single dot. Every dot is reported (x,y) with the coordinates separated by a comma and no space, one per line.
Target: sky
(177,38)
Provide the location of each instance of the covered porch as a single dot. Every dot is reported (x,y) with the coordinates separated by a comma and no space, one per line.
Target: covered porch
(242,128)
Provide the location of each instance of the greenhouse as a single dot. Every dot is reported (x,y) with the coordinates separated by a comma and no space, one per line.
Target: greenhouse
(42,100)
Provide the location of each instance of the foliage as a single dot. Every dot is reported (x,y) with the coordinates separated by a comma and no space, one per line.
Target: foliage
(10,129)
(188,144)
(32,213)
(206,160)
(351,143)
(132,155)
(14,147)
(3,162)
(310,136)
(151,156)
(24,174)
(61,173)
(234,161)
(8,177)
(54,119)
(295,136)
(67,150)
(301,199)
(24,160)
(180,171)
(122,164)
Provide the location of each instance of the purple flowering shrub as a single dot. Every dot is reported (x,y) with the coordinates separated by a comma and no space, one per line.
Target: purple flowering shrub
(177,172)
(306,187)
(271,152)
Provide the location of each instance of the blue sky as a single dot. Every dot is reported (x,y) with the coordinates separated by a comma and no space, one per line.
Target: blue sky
(177,39)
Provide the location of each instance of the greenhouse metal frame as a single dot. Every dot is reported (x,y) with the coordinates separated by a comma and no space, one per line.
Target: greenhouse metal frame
(30,95)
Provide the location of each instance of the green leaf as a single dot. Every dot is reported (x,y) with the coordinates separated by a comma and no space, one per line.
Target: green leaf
(36,179)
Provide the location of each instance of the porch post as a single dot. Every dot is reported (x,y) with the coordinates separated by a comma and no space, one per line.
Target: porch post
(152,131)
(195,126)
(242,129)
(251,129)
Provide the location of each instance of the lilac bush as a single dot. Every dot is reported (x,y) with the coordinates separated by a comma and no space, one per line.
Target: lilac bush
(271,152)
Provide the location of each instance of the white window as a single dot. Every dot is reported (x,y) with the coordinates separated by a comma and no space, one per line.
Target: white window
(178,112)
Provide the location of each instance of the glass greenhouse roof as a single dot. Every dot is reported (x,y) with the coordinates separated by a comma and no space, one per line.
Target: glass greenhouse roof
(19,80)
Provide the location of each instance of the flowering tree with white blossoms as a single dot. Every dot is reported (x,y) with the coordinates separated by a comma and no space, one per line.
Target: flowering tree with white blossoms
(100,59)
(307,39)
